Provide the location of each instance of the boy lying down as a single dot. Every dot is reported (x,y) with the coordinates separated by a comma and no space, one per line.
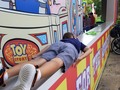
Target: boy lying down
(60,54)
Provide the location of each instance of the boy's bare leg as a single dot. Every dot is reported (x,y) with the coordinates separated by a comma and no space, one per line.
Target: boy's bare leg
(28,73)
(50,67)
(15,69)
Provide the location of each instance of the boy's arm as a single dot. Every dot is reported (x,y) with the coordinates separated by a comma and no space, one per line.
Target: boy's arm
(42,51)
(85,53)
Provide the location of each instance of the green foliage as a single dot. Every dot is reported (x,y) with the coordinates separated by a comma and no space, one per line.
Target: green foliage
(98,5)
(88,1)
(98,9)
(118,22)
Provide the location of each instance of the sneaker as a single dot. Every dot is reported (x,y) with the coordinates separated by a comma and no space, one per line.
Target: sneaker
(2,72)
(26,78)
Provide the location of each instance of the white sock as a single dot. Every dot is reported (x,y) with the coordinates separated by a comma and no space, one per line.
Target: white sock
(5,76)
(38,75)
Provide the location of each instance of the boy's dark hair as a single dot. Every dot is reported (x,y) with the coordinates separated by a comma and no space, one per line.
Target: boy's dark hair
(68,35)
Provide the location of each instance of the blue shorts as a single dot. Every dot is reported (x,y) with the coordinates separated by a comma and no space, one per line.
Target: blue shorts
(65,51)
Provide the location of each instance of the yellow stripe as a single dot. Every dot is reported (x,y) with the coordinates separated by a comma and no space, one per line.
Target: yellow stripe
(63,85)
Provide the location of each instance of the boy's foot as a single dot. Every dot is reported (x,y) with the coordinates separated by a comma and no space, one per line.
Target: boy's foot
(26,77)
(2,72)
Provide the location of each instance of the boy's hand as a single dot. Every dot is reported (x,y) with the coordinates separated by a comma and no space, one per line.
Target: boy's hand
(75,63)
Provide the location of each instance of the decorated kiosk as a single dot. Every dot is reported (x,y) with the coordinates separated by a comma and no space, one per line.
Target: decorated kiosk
(26,31)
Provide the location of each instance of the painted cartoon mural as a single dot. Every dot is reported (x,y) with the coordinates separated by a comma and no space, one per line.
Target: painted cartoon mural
(30,6)
(34,6)
(42,21)
(76,16)
(57,16)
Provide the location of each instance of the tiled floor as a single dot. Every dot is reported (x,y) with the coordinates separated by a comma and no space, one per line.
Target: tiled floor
(110,79)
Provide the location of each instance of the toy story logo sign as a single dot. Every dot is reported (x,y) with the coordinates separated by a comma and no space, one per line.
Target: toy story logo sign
(19,50)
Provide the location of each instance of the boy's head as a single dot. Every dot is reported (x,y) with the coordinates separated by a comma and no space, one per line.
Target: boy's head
(68,35)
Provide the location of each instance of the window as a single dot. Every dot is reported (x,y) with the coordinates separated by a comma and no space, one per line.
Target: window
(55,36)
(64,27)
(42,38)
